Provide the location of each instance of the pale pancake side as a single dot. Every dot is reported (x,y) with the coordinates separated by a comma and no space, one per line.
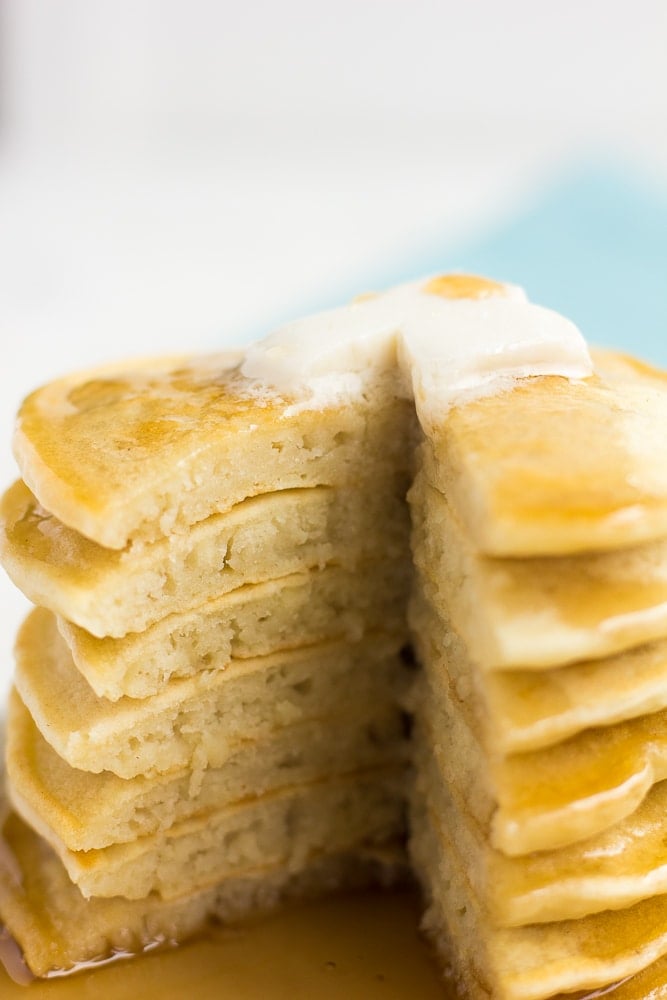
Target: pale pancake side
(540,612)
(531,709)
(554,466)
(57,929)
(544,799)
(539,960)
(282,828)
(551,466)
(611,870)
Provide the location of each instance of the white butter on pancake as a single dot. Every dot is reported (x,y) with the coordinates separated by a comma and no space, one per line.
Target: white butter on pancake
(451,337)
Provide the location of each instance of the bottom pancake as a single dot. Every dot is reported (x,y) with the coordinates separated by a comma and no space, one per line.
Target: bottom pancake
(280,829)
(533,962)
(58,931)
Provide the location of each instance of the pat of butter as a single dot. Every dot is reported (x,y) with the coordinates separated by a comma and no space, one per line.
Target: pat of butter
(449,338)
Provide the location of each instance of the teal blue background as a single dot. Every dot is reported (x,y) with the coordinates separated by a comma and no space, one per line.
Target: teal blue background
(593,246)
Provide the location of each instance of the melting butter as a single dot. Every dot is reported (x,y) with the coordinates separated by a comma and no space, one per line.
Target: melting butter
(442,340)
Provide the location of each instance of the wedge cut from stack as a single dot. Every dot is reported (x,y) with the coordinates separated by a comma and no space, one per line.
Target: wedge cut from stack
(201,712)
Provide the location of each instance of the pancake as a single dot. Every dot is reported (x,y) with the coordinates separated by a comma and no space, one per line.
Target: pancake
(280,829)
(196,721)
(563,466)
(548,798)
(253,620)
(538,612)
(529,709)
(136,450)
(539,960)
(58,930)
(210,696)
(613,870)
(167,409)
(113,592)
(85,811)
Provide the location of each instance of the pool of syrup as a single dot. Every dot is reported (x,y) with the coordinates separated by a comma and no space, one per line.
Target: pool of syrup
(356,947)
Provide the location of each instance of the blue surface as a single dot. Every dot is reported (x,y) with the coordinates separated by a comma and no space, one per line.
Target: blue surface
(594,247)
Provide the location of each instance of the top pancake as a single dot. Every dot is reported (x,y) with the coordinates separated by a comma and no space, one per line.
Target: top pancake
(549,467)
(139,450)
(554,467)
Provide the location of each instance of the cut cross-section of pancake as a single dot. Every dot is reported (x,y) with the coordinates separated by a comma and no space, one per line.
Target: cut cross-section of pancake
(85,811)
(196,721)
(503,464)
(140,450)
(280,829)
(59,931)
(523,710)
(547,798)
(612,870)
(539,960)
(113,592)
(254,620)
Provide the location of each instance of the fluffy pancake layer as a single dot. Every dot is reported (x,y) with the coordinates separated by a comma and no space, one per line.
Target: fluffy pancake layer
(537,816)
(217,702)
(557,467)
(562,466)
(624,864)
(150,448)
(197,721)
(112,592)
(85,811)
(518,710)
(538,960)
(281,829)
(254,620)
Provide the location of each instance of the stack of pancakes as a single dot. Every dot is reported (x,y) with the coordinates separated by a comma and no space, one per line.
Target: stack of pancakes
(206,712)
(539,615)
(209,696)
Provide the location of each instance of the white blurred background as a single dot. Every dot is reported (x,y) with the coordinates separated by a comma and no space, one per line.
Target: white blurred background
(187,173)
